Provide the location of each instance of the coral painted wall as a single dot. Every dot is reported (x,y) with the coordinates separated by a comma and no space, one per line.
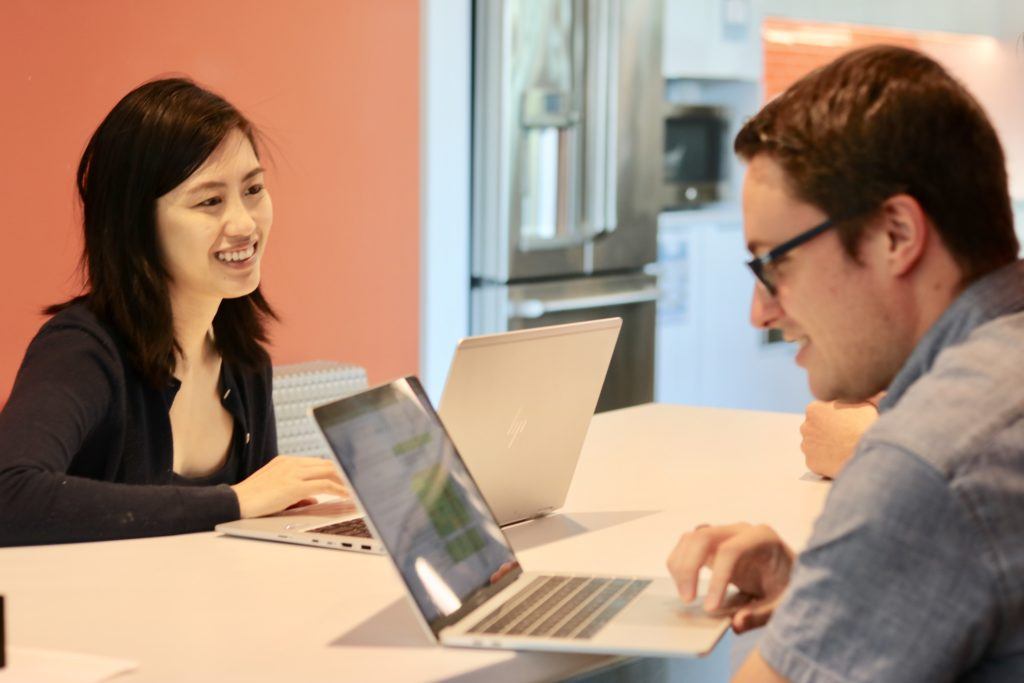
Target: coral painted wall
(334,84)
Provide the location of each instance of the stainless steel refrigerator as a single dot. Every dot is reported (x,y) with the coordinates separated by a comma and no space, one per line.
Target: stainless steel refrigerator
(567,145)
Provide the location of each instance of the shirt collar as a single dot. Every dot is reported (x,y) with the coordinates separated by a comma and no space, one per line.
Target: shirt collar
(999,293)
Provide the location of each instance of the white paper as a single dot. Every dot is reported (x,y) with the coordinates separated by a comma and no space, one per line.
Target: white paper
(33,665)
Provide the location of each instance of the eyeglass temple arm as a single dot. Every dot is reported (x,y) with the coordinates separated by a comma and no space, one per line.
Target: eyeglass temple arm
(796,241)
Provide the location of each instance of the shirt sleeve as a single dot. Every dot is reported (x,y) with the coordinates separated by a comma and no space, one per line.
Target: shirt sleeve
(892,585)
(61,397)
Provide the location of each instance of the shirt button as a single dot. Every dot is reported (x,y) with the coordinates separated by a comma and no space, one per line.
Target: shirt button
(226,394)
(247,435)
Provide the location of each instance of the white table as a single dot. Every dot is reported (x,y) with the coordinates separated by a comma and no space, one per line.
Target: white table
(204,607)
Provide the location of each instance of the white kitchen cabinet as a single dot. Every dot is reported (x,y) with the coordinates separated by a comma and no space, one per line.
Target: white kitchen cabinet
(707,351)
(712,39)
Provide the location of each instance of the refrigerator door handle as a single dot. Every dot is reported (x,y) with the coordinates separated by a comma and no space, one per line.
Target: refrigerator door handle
(535,308)
(604,19)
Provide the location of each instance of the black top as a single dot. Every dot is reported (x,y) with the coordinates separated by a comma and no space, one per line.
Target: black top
(86,451)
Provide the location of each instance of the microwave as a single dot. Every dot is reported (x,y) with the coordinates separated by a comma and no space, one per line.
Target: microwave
(695,156)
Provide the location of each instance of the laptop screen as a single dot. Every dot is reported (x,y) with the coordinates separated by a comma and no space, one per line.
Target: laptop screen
(421,500)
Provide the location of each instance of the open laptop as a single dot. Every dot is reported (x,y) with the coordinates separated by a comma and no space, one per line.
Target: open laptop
(460,573)
(517,405)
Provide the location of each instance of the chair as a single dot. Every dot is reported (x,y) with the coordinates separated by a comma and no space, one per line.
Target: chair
(299,386)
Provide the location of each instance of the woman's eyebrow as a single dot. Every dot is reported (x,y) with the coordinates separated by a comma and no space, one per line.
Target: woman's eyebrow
(217,184)
(254,172)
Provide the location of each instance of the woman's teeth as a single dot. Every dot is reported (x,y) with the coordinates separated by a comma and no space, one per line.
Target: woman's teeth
(229,256)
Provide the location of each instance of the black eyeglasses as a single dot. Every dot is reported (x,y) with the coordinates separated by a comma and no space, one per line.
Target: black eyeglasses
(761,265)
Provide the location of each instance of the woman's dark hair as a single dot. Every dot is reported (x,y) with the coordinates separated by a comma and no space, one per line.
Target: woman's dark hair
(151,141)
(886,120)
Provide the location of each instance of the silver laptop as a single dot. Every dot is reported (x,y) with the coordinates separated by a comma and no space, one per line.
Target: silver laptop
(460,573)
(517,405)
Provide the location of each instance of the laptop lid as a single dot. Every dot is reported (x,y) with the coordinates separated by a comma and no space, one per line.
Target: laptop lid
(518,406)
(420,500)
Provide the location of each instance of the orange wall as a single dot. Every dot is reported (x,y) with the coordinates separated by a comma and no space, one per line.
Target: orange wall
(333,83)
(793,48)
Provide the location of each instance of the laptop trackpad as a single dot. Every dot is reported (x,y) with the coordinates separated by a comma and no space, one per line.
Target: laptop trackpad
(659,620)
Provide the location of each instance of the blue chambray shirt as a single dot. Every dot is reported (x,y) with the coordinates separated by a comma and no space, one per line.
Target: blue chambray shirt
(915,569)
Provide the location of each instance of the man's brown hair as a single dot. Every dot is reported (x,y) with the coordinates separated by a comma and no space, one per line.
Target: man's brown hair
(885,120)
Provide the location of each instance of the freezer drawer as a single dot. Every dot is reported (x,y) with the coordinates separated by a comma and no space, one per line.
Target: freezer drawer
(630,378)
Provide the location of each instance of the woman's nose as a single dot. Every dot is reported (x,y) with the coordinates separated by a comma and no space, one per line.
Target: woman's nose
(238,221)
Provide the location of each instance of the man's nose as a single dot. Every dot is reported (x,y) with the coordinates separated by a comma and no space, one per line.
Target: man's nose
(764,308)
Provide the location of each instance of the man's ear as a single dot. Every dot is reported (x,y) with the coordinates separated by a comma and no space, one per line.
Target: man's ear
(906,229)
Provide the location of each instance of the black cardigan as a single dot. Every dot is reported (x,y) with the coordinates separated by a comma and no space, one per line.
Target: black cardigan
(86,451)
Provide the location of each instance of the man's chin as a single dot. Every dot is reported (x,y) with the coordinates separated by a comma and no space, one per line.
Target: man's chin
(823,391)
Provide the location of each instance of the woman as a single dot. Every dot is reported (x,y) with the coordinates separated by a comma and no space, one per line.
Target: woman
(144,406)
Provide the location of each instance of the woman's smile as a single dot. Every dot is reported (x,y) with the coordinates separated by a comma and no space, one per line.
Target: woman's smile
(239,257)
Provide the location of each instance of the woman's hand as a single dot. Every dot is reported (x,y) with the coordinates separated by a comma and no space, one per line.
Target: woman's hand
(285,481)
(753,558)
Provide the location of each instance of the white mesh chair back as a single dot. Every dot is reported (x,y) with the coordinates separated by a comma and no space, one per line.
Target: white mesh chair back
(301,385)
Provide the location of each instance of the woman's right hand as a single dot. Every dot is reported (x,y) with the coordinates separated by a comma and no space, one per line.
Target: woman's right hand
(284,481)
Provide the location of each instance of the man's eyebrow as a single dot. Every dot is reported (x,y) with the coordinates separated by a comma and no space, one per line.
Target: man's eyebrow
(216,184)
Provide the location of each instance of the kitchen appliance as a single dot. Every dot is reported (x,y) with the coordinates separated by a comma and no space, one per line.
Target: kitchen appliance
(695,158)
(567,148)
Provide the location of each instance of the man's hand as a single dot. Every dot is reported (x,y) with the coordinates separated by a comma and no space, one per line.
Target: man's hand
(830,433)
(285,481)
(753,558)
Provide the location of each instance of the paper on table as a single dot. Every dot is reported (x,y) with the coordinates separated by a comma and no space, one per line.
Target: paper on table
(34,665)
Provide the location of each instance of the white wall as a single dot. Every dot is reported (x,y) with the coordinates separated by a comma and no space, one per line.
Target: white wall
(1011,20)
(445,49)
(987,17)
(994,73)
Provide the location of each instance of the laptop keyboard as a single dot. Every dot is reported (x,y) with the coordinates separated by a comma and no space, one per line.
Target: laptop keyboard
(350,527)
(562,607)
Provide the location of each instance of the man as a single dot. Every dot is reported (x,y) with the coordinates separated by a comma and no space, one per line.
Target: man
(876,207)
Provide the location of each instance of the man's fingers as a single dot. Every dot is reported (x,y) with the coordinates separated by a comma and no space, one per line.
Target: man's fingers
(816,408)
(730,553)
(685,561)
(722,568)
(694,550)
(753,615)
